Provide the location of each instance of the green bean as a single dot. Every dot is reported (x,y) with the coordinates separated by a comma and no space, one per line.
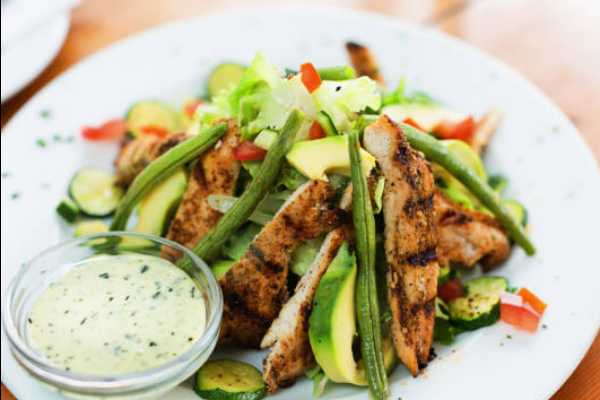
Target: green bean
(340,73)
(366,290)
(161,168)
(439,154)
(210,245)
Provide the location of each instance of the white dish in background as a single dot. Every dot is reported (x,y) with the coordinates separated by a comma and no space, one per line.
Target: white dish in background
(23,60)
(550,171)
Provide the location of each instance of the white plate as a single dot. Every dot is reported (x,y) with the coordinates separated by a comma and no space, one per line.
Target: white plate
(549,167)
(23,61)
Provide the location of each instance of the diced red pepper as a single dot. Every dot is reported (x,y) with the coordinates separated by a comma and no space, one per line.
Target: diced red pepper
(190,107)
(110,130)
(535,302)
(451,290)
(413,123)
(310,77)
(515,312)
(154,130)
(316,131)
(462,130)
(248,151)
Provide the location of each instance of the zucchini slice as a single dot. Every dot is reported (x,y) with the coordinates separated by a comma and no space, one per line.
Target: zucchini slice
(151,114)
(224,76)
(68,210)
(229,380)
(480,306)
(94,191)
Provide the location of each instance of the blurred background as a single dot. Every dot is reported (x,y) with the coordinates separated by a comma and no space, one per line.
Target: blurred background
(553,43)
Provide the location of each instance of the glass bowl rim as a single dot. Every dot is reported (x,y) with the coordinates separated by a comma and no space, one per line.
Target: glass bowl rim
(89,383)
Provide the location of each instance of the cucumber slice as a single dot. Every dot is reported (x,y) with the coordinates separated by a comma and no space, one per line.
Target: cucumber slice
(480,306)
(224,76)
(68,210)
(151,113)
(518,211)
(94,191)
(229,380)
(84,228)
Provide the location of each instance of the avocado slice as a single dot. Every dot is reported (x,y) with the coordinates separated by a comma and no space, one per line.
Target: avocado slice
(156,209)
(314,158)
(332,323)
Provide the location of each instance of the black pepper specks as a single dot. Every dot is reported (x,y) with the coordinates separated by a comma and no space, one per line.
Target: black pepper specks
(104,275)
(144,269)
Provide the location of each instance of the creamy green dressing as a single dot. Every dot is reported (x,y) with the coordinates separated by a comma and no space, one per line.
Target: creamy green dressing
(117,314)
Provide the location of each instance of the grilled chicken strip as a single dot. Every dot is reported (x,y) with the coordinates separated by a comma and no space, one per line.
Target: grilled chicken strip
(216,172)
(135,155)
(363,61)
(410,241)
(291,355)
(255,287)
(467,237)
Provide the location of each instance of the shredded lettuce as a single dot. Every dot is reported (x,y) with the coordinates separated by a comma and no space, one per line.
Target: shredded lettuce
(401,96)
(304,255)
(343,100)
(289,178)
(264,98)
(379,195)
(320,380)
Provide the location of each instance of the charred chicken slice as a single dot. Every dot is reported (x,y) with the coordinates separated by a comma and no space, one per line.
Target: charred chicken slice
(255,286)
(216,172)
(291,355)
(410,241)
(467,237)
(136,154)
(363,61)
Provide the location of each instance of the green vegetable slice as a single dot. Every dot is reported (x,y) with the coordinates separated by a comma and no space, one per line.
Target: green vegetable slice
(366,291)
(326,123)
(68,210)
(210,245)
(341,73)
(237,244)
(229,380)
(480,306)
(224,76)
(84,228)
(440,154)
(163,167)
(220,267)
(151,113)
(94,191)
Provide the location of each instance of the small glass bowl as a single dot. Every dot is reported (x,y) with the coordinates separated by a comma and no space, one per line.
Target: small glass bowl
(49,265)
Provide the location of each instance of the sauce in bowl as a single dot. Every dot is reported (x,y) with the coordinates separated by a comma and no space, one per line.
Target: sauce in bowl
(116,314)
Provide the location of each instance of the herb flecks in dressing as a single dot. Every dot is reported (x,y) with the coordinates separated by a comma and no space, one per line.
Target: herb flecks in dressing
(117,314)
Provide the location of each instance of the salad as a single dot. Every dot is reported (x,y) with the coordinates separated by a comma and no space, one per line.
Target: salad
(345,222)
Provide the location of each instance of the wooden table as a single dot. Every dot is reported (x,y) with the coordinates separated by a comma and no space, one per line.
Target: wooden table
(552,43)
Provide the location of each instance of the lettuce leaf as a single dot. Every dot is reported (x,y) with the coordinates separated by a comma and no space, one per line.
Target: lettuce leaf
(343,100)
